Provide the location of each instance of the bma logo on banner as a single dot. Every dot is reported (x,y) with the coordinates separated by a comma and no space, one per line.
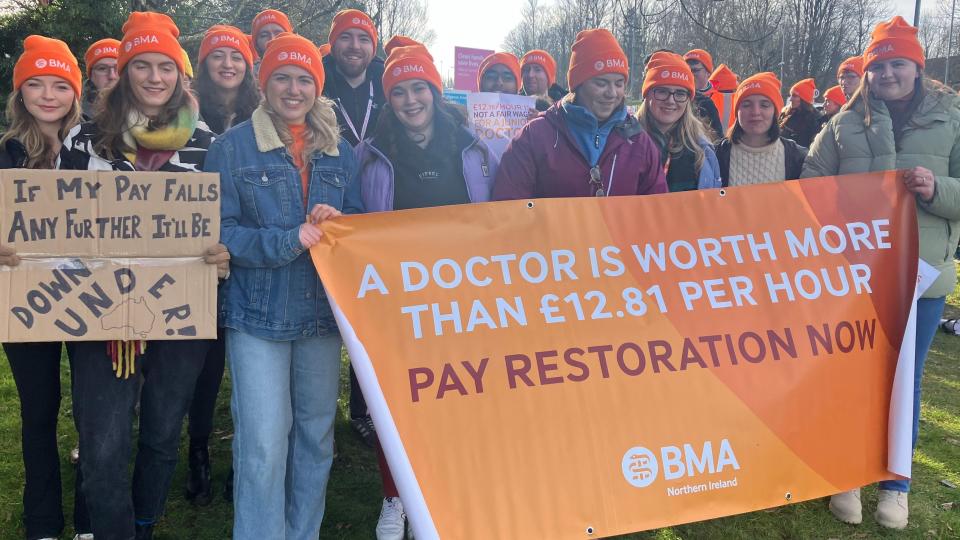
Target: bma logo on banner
(641,467)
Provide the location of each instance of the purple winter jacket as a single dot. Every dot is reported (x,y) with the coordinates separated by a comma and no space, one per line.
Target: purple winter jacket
(543,160)
(375,173)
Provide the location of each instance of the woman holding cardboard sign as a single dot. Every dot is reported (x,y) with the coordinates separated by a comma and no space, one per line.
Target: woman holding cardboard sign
(149,123)
(422,154)
(44,105)
(282,172)
(899,119)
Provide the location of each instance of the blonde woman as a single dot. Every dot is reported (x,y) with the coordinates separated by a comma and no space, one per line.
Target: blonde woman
(285,163)
(43,106)
(686,151)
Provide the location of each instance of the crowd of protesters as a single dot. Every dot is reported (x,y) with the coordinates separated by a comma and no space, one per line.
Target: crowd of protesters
(301,133)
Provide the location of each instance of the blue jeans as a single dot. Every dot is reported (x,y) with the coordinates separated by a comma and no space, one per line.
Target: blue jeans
(103,406)
(929,311)
(284,402)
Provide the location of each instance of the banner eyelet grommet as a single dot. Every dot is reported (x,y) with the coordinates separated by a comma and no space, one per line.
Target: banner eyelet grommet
(723,192)
(590,530)
(529,204)
(788,496)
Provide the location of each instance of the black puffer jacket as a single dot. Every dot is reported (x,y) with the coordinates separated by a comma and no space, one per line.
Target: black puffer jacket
(13,155)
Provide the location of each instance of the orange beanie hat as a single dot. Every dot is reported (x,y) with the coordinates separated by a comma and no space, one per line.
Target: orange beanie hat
(146,32)
(104,48)
(835,94)
(595,52)
(702,56)
(543,59)
(724,79)
(894,39)
(400,41)
(504,58)
(410,62)
(221,35)
(668,69)
(292,50)
(269,16)
(765,84)
(352,18)
(854,64)
(46,56)
(806,89)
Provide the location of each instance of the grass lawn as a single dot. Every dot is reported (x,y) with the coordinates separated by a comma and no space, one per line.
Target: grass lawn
(353,499)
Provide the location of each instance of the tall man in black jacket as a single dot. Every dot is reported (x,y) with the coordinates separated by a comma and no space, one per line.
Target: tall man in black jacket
(354,82)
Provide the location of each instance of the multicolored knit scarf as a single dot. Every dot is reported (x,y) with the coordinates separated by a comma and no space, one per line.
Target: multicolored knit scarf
(169,138)
(154,147)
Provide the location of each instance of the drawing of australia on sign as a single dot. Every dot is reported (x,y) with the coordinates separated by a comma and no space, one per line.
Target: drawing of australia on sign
(132,314)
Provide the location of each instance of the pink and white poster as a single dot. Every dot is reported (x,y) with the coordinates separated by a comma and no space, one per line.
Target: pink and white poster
(466,64)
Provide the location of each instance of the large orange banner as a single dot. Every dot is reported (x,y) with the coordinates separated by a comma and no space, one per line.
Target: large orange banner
(580,368)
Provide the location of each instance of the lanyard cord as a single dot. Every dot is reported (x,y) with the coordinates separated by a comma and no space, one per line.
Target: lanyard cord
(366,117)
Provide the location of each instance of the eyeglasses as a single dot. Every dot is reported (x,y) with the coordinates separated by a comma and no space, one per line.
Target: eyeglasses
(494,75)
(662,94)
(596,183)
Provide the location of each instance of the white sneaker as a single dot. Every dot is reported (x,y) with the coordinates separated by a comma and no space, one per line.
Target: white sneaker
(84,536)
(892,510)
(390,526)
(847,507)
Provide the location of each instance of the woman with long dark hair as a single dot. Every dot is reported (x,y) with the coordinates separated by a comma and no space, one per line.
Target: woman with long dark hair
(421,154)
(228,95)
(801,121)
(43,107)
(148,121)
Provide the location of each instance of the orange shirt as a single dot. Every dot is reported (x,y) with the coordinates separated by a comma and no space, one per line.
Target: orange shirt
(298,131)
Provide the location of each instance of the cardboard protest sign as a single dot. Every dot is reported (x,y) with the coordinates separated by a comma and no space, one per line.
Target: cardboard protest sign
(466,67)
(582,368)
(497,118)
(108,255)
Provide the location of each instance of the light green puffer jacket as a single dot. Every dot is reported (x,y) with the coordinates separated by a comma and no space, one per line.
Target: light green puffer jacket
(931,139)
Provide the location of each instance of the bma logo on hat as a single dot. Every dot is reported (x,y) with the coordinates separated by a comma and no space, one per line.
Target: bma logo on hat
(397,71)
(107,50)
(880,49)
(127,46)
(282,55)
(598,65)
(665,74)
(214,40)
(356,20)
(40,63)
(751,86)
(537,58)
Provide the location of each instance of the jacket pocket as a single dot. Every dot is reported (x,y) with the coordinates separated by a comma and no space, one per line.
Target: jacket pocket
(267,197)
(333,182)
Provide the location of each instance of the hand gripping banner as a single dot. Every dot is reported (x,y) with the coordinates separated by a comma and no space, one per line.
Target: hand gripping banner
(581,368)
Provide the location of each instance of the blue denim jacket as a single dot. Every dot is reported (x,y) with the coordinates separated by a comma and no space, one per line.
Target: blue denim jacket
(274,291)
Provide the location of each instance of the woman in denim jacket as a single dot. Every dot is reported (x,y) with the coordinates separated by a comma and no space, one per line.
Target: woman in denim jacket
(282,172)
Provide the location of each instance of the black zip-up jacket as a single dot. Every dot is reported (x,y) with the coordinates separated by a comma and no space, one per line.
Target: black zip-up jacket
(354,100)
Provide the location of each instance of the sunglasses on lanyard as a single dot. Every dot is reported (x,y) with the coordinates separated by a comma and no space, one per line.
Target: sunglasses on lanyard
(596,183)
